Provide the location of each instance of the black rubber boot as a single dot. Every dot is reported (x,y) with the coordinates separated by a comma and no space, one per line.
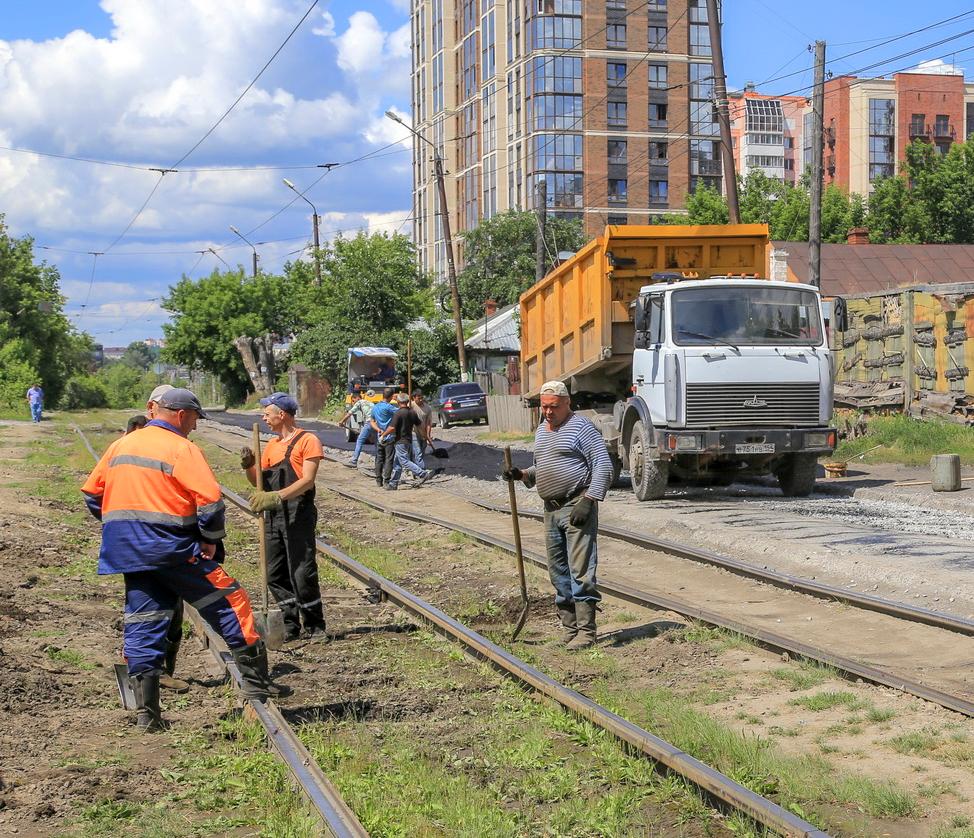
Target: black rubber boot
(146,689)
(252,663)
(569,625)
(585,615)
(166,680)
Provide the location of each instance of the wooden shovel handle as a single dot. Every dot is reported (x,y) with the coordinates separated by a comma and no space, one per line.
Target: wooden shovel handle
(261,521)
(516,524)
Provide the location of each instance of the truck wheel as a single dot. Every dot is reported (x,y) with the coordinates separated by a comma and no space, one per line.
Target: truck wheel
(616,469)
(796,475)
(649,476)
(442,421)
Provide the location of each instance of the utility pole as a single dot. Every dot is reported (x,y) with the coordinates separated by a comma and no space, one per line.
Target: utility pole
(541,212)
(317,252)
(450,264)
(723,112)
(818,172)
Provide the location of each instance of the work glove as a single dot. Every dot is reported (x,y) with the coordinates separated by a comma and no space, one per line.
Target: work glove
(265,501)
(247,458)
(512,473)
(583,508)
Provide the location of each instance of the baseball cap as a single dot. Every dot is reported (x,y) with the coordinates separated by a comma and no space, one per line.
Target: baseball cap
(284,401)
(177,398)
(159,391)
(554,388)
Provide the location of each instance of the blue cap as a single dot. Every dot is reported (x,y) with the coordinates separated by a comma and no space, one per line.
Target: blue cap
(285,401)
(179,398)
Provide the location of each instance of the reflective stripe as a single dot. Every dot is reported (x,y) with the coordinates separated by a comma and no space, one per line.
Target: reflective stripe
(216,596)
(289,601)
(211,508)
(150,517)
(310,604)
(213,535)
(141,462)
(148,616)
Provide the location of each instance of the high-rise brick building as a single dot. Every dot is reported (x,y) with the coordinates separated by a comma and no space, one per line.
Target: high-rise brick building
(609,103)
(767,134)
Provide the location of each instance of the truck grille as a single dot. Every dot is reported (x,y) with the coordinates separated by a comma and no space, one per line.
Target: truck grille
(757,405)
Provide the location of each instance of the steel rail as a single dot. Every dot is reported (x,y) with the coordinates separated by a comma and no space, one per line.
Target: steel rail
(711,781)
(334,813)
(636,596)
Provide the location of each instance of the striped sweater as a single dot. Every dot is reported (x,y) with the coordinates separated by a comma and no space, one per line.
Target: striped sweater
(570,460)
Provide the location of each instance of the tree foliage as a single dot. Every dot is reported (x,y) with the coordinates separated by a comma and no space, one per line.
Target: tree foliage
(499,257)
(35,334)
(139,356)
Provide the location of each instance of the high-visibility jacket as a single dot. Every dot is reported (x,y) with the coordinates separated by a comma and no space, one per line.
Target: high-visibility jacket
(156,497)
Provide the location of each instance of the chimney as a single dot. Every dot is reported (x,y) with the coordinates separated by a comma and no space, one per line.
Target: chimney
(490,308)
(858,235)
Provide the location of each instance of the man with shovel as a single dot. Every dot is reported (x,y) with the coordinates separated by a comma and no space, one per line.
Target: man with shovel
(572,471)
(289,466)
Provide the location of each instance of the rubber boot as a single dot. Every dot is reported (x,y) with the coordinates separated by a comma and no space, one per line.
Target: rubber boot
(166,680)
(146,689)
(257,685)
(569,625)
(585,615)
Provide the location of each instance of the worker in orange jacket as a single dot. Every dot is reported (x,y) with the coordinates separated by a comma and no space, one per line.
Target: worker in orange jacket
(162,517)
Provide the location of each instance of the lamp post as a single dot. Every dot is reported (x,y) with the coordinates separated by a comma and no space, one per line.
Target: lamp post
(238,233)
(448,236)
(314,216)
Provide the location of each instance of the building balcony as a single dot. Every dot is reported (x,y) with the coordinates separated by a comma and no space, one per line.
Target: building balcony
(944,131)
(919,130)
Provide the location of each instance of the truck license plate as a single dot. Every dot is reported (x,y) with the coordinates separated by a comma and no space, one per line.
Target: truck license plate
(755,448)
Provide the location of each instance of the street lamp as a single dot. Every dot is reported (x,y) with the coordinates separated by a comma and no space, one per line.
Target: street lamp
(238,233)
(447,235)
(314,216)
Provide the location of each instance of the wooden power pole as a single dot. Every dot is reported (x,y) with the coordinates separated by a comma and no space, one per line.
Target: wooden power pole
(451,266)
(818,172)
(723,112)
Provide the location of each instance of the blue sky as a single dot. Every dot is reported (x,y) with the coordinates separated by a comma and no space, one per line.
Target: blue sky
(139,81)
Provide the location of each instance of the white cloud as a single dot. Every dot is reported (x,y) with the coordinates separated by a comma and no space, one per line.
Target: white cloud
(396,221)
(360,47)
(937,67)
(326,29)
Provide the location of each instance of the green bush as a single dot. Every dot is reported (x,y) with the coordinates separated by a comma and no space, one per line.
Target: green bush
(123,385)
(84,391)
(16,376)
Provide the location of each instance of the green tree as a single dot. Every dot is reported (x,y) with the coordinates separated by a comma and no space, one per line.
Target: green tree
(889,213)
(123,385)
(857,210)
(139,356)
(16,375)
(32,321)
(705,205)
(499,257)
(835,215)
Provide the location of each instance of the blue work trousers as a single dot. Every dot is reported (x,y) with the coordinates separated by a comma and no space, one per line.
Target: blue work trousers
(418,447)
(35,410)
(572,554)
(403,461)
(366,435)
(151,597)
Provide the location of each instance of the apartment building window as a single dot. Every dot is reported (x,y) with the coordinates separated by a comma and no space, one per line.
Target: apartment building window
(699,31)
(658,151)
(941,125)
(557,153)
(437,72)
(615,73)
(471,204)
(490,186)
(559,7)
(468,17)
(789,165)
(882,150)
(488,116)
(656,38)
(618,190)
(549,83)
(703,114)
(616,114)
(657,115)
(486,5)
(808,129)
(705,166)
(659,191)
(422,94)
(469,122)
(615,4)
(617,151)
(513,29)
(556,32)
(547,113)
(469,72)
(656,5)
(616,219)
(615,36)
(487,55)
(437,33)
(555,75)
(764,139)
(918,125)
(764,161)
(562,190)
(657,76)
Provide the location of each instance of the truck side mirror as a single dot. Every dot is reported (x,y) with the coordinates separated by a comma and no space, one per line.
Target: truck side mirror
(641,319)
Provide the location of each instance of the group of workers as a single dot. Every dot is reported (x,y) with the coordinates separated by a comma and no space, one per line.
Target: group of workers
(163,522)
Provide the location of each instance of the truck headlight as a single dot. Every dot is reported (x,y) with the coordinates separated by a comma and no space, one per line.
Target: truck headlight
(683,442)
(822,439)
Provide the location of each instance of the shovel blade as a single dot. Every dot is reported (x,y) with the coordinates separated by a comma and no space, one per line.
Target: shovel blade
(270,626)
(125,691)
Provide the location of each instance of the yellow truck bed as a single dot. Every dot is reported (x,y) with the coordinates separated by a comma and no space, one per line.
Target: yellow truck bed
(576,321)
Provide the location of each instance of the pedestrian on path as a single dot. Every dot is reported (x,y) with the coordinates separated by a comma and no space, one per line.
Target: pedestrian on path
(289,465)
(402,430)
(424,432)
(361,412)
(35,398)
(572,471)
(162,516)
(382,415)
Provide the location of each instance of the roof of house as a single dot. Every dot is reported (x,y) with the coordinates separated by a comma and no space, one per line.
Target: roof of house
(868,268)
(503,332)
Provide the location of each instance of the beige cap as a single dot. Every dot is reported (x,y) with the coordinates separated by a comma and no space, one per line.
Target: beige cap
(160,391)
(554,388)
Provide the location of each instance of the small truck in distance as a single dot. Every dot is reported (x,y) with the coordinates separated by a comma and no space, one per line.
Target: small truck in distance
(693,366)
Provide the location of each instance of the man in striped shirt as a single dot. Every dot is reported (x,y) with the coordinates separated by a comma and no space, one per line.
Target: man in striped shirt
(572,471)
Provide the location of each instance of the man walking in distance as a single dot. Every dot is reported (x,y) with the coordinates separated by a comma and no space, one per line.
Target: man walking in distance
(35,398)
(401,428)
(382,415)
(289,465)
(573,472)
(361,411)
(424,433)
(162,517)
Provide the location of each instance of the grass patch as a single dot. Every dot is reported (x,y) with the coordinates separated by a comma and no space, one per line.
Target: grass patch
(70,657)
(879,714)
(718,638)
(954,749)
(827,700)
(808,674)
(910,441)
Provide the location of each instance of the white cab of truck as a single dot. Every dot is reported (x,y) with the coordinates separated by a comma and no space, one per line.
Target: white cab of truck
(736,377)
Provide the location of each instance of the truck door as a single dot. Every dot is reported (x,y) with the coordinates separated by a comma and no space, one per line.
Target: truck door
(647,362)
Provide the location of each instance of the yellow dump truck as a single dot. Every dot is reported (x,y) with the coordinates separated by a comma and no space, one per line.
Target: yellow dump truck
(693,365)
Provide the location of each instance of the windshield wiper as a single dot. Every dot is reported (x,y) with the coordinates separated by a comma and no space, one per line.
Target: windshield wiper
(709,337)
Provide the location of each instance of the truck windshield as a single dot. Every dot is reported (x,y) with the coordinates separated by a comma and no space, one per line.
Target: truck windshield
(746,315)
